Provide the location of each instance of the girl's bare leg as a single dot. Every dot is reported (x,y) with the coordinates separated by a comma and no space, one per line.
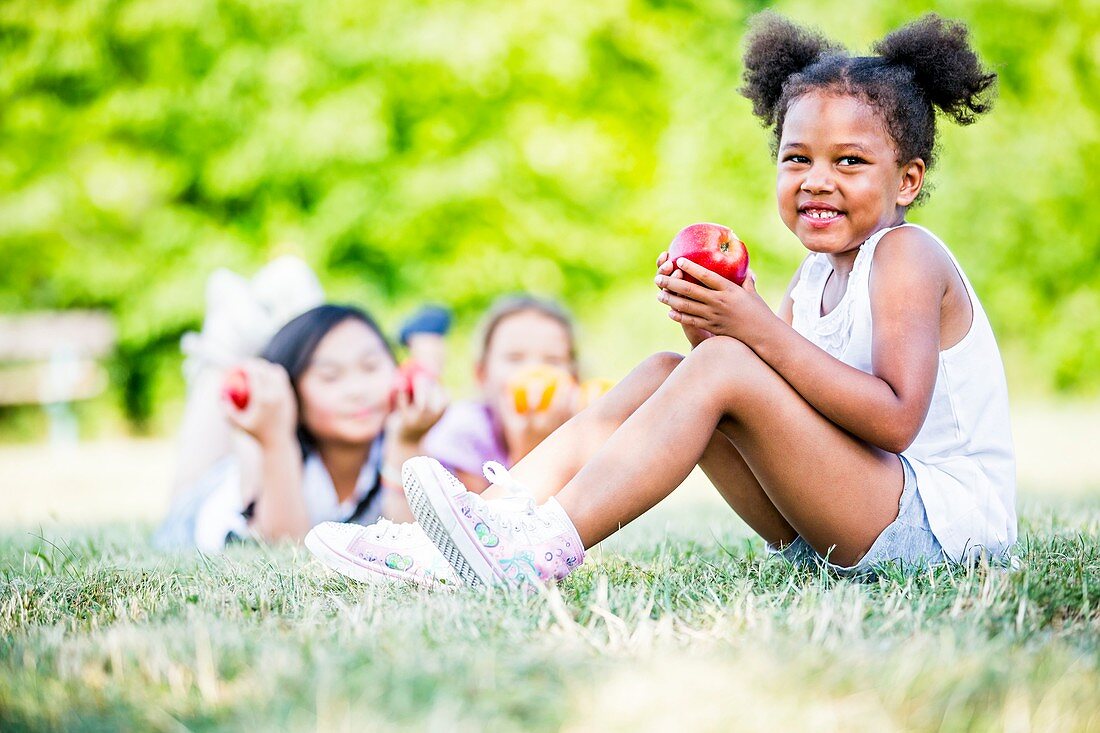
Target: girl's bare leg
(836,491)
(555,461)
(723,465)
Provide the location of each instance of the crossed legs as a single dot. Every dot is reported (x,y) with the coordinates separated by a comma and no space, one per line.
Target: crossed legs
(782,466)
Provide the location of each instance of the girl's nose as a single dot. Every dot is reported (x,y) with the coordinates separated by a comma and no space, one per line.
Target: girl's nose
(818,180)
(360,387)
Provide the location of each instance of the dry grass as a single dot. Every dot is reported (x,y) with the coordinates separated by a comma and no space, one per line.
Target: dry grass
(677,623)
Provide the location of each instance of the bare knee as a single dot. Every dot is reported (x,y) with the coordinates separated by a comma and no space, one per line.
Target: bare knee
(660,364)
(647,377)
(730,370)
(723,356)
(636,388)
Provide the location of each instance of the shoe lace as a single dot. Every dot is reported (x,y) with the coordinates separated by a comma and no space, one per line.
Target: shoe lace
(384,529)
(497,474)
(518,508)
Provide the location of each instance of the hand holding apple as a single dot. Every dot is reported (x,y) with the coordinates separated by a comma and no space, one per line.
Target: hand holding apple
(714,247)
(259,400)
(406,378)
(235,387)
(417,402)
(666,267)
(716,306)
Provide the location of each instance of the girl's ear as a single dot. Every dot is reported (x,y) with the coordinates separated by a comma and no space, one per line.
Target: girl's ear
(912,180)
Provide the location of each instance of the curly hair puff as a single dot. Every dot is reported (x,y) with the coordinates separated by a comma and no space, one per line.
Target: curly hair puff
(919,68)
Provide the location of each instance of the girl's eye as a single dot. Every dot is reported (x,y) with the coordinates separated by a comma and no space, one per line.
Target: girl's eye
(796,159)
(851,160)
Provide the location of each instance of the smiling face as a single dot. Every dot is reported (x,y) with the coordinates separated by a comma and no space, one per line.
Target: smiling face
(345,390)
(838,179)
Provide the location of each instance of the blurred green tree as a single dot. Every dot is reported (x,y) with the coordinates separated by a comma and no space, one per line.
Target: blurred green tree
(456,149)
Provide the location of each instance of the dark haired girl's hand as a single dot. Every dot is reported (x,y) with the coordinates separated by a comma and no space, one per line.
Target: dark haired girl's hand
(666,268)
(413,417)
(717,306)
(408,423)
(271,413)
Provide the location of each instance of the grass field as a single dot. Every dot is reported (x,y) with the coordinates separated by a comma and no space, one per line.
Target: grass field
(677,623)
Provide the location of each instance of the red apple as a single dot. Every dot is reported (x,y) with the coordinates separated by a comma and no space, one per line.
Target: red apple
(714,247)
(404,380)
(235,388)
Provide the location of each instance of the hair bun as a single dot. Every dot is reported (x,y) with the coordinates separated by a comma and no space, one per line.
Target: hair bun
(944,65)
(776,49)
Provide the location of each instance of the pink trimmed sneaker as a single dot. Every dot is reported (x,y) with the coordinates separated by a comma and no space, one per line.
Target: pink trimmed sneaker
(381,553)
(500,542)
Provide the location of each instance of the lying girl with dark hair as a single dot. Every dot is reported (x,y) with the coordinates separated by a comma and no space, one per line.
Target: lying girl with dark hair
(320,437)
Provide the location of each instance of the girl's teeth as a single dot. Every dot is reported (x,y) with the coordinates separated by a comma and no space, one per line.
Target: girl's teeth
(820,214)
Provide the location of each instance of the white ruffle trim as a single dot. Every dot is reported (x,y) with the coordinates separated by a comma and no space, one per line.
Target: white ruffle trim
(833,331)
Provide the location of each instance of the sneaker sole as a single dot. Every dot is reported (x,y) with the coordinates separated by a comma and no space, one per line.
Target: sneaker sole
(438,517)
(333,559)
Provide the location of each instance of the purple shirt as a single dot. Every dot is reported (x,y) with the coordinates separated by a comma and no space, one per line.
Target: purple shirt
(465,438)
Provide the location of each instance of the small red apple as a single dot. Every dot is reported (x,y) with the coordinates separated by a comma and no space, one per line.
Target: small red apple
(714,247)
(404,380)
(235,388)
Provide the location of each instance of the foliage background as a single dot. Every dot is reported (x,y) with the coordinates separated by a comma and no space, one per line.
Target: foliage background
(458,149)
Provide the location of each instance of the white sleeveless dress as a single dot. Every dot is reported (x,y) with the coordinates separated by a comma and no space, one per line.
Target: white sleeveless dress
(962,457)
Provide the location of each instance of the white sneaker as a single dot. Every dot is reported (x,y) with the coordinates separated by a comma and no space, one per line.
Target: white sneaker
(501,542)
(380,553)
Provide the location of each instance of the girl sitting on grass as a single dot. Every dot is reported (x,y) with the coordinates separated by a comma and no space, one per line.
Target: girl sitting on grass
(864,422)
(321,437)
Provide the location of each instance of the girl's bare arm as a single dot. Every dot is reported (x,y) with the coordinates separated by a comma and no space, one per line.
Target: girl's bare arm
(281,511)
(273,478)
(885,408)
